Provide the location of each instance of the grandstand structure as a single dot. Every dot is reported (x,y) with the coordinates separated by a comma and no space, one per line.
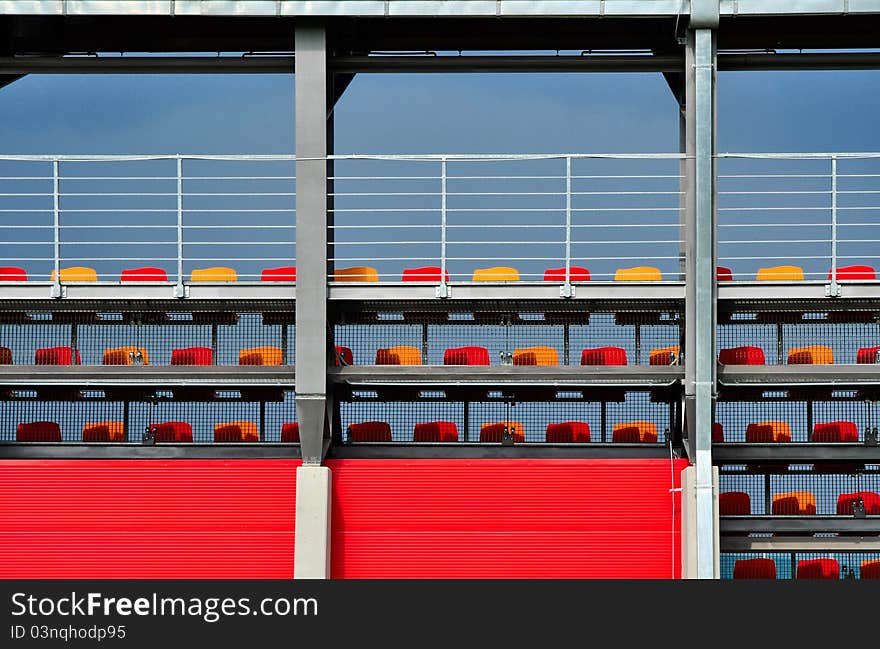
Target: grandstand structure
(526,365)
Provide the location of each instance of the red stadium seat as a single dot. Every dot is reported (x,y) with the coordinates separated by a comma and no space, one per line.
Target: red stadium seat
(145,274)
(723,274)
(57,356)
(836,431)
(793,503)
(494,432)
(575,274)
(757,568)
(424,274)
(38,431)
(281,274)
(192,356)
(824,568)
(5,356)
(870,569)
(345,355)
(870,499)
(603,356)
(290,433)
(768,432)
(172,431)
(734,503)
(568,431)
(369,431)
(466,356)
(855,273)
(868,355)
(435,431)
(717,433)
(12,274)
(747,355)
(236,431)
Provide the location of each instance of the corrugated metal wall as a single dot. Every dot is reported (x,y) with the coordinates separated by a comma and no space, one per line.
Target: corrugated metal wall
(133,519)
(506,518)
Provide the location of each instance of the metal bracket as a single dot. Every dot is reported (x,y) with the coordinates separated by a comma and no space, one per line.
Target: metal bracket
(443,291)
(181,291)
(859,509)
(871,437)
(149,438)
(832,289)
(566,290)
(507,436)
(56,291)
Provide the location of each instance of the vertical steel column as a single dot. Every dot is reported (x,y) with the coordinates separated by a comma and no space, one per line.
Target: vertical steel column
(567,290)
(442,290)
(313,496)
(179,289)
(55,291)
(833,288)
(700,295)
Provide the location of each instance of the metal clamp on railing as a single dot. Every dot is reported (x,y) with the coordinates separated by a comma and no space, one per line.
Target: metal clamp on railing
(507,435)
(149,437)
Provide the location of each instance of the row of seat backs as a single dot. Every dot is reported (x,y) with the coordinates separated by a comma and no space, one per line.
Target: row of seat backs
(822,568)
(135,355)
(798,503)
(426,274)
(810,355)
(169,431)
(447,431)
(767,432)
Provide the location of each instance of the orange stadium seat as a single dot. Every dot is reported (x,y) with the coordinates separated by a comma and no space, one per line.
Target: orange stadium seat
(575,274)
(104,431)
(5,356)
(466,356)
(747,355)
(825,568)
(145,274)
(757,568)
(855,273)
(267,355)
(638,274)
(870,569)
(192,356)
(214,274)
(835,431)
(236,431)
(435,431)
(568,431)
(634,431)
(400,355)
(717,433)
(795,503)
(495,274)
(290,432)
(734,503)
(781,274)
(603,356)
(768,431)
(344,356)
(126,356)
(281,274)
(57,356)
(77,274)
(870,499)
(723,274)
(812,355)
(535,356)
(356,274)
(38,431)
(424,274)
(13,274)
(493,432)
(369,431)
(664,356)
(172,431)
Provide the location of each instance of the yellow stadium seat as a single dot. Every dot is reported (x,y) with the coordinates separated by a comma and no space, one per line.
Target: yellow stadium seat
(126,356)
(356,274)
(400,355)
(496,274)
(77,274)
(104,431)
(494,432)
(236,431)
(638,274)
(214,274)
(781,274)
(535,356)
(812,355)
(664,356)
(634,431)
(767,432)
(794,502)
(260,356)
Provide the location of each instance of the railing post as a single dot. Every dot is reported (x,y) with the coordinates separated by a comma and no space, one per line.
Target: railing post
(833,288)
(443,289)
(55,290)
(180,289)
(567,290)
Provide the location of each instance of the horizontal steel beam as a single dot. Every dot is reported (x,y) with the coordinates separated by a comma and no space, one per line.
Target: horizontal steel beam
(799,375)
(800,544)
(809,61)
(147,65)
(516,63)
(152,376)
(99,451)
(794,453)
(489,451)
(803,524)
(794,291)
(238,291)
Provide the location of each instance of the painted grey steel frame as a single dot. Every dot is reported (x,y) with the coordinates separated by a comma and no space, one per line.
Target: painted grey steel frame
(117,451)
(803,524)
(795,453)
(154,376)
(800,544)
(799,375)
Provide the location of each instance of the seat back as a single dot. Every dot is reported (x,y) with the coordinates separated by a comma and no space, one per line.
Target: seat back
(77,274)
(494,432)
(824,568)
(869,499)
(638,274)
(812,355)
(495,274)
(568,432)
(5,356)
(717,433)
(603,356)
(424,274)
(435,431)
(400,355)
(634,432)
(356,274)
(192,356)
(575,274)
(757,568)
(767,432)
(267,355)
(57,356)
(38,431)
(13,274)
(862,273)
(172,431)
(780,274)
(747,355)
(369,431)
(835,431)
(734,503)
(145,274)
(870,569)
(795,503)
(868,355)
(104,431)
(466,356)
(344,356)
(723,274)
(214,274)
(535,356)
(236,431)
(281,274)
(664,356)
(290,433)
(132,355)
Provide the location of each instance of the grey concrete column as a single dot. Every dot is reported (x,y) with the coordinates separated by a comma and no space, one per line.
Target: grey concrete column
(311,558)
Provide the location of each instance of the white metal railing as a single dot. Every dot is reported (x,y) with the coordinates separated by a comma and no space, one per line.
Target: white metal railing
(819,212)
(176,213)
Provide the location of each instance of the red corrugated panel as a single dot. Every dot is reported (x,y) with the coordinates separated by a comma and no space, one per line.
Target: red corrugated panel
(138,519)
(506,519)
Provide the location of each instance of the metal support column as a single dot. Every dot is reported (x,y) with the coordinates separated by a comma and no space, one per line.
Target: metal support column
(312,555)
(700,305)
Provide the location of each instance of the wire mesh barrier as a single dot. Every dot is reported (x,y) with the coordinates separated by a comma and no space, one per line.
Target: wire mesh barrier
(800,565)
(147,218)
(635,418)
(792,217)
(145,334)
(376,333)
(89,416)
(504,218)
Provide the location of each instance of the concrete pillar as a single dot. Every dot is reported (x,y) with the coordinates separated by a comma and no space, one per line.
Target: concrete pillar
(311,558)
